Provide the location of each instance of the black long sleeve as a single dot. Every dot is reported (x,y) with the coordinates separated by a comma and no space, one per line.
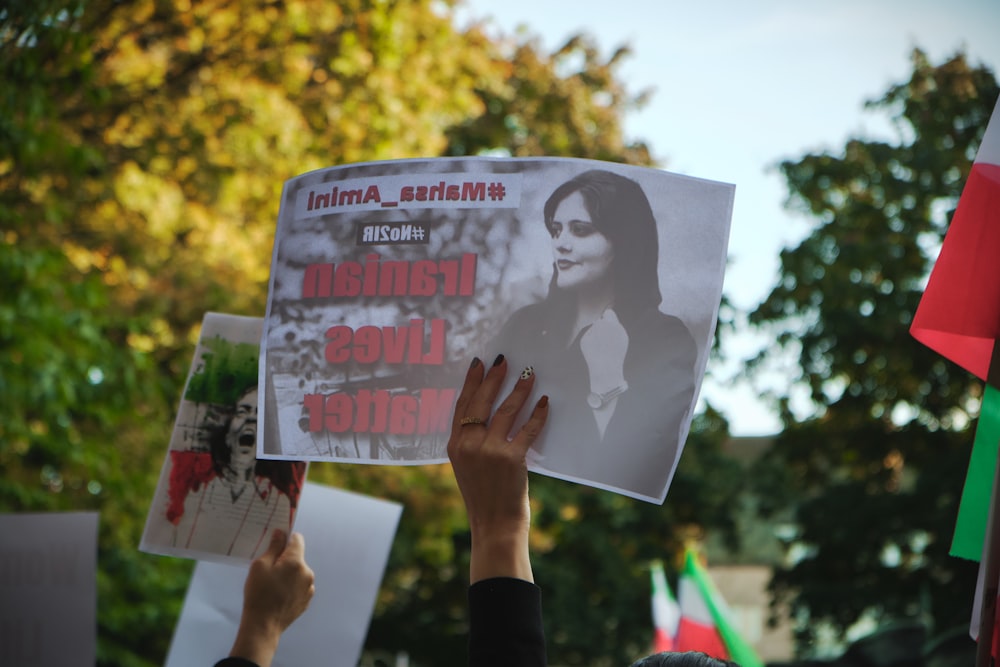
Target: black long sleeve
(505,624)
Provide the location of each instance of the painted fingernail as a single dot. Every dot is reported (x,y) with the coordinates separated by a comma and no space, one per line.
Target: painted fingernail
(498,360)
(527,372)
(543,401)
(475,362)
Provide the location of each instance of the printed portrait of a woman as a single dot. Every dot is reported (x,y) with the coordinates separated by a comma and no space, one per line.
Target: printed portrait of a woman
(625,370)
(215,500)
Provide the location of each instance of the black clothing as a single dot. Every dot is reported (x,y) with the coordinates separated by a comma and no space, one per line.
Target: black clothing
(641,440)
(505,624)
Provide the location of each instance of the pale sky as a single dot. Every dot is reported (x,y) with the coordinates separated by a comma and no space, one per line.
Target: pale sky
(739,86)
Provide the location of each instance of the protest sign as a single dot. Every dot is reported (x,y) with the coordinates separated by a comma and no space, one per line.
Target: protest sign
(388,278)
(214,500)
(347,538)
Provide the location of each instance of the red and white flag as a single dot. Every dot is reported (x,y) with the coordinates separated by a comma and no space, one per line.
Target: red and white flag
(666,612)
(696,631)
(959,318)
(959,313)
(706,623)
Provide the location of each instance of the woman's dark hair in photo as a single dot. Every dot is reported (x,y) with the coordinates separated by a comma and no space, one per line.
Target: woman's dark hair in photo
(287,476)
(619,209)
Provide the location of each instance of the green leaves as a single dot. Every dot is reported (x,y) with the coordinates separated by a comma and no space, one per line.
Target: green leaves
(143,146)
(889,432)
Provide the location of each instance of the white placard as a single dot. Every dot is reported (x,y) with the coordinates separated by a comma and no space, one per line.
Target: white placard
(348,537)
(388,278)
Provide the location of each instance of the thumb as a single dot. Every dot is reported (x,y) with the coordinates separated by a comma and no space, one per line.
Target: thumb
(278,541)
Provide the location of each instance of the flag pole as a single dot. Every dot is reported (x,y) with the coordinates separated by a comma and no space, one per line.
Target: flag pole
(991,569)
(991,556)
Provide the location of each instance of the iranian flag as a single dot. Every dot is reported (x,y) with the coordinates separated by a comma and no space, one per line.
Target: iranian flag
(959,318)
(666,613)
(706,622)
(959,313)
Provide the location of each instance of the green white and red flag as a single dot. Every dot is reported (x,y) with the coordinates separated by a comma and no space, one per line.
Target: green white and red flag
(959,318)
(706,623)
(666,612)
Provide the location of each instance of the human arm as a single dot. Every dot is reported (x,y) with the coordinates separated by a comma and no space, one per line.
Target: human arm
(492,472)
(505,618)
(277,591)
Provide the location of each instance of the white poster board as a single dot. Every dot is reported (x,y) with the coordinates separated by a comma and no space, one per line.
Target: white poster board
(388,277)
(348,537)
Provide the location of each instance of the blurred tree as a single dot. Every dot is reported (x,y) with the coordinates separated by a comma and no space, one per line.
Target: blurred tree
(593,549)
(578,114)
(79,403)
(876,467)
(143,147)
